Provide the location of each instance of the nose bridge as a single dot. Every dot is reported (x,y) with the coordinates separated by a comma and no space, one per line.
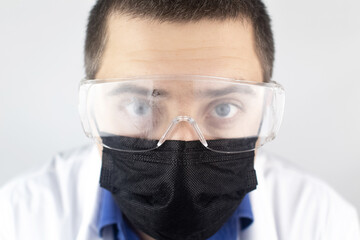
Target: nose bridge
(183,128)
(184,119)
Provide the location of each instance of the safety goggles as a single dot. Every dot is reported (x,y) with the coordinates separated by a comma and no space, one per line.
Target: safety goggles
(141,113)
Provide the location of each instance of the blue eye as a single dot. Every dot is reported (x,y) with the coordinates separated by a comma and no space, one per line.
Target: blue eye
(222,110)
(225,110)
(138,108)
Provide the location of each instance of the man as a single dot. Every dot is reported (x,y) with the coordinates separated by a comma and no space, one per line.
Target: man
(178,98)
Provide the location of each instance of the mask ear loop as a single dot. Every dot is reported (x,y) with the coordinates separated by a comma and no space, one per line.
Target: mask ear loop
(176,121)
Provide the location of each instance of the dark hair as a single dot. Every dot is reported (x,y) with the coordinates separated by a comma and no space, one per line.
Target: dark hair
(179,11)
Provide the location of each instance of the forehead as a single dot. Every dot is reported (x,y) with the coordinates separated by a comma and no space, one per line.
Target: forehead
(138,46)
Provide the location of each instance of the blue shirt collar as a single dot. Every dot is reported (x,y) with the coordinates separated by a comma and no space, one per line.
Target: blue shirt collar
(110,215)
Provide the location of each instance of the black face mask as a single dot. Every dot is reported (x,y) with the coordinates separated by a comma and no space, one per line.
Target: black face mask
(181,190)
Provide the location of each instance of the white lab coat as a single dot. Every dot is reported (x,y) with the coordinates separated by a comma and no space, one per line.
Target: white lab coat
(60,202)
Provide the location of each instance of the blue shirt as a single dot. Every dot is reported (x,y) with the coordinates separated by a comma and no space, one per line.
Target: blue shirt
(111,216)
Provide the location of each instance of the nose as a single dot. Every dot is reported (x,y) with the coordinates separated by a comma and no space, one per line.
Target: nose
(183,131)
(183,128)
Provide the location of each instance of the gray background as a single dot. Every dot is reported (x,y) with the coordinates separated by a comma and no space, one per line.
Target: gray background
(317,61)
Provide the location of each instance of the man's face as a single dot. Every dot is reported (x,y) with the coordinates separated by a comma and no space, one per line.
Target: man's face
(216,48)
(138,47)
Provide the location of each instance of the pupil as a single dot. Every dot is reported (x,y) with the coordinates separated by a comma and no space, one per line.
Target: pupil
(222,110)
(140,109)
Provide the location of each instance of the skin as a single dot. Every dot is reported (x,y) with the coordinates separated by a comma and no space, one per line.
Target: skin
(143,47)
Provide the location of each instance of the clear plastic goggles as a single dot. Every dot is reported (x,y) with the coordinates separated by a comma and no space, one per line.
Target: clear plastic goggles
(144,112)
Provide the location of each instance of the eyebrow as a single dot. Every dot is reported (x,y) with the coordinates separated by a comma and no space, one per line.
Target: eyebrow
(224,91)
(130,88)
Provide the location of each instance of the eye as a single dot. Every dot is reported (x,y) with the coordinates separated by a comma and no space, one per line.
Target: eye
(138,108)
(224,110)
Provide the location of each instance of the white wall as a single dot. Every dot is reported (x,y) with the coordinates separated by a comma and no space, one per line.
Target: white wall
(317,61)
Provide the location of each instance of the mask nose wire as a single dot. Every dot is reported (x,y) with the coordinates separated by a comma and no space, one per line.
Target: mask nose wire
(181,119)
